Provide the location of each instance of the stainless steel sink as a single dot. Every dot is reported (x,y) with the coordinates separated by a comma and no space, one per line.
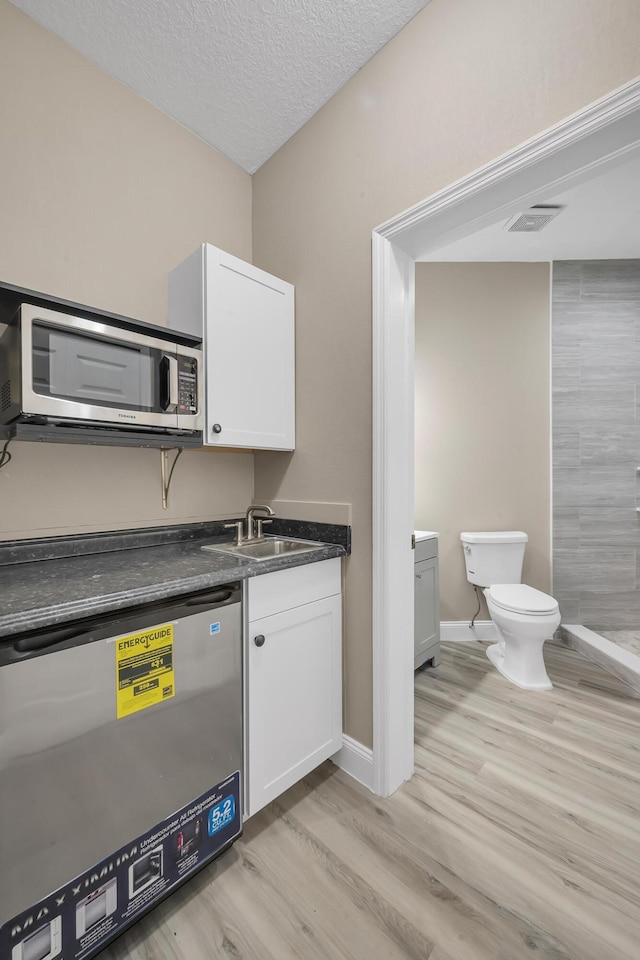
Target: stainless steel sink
(266,549)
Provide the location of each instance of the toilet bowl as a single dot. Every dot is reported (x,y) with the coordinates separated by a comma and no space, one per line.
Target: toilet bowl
(524,618)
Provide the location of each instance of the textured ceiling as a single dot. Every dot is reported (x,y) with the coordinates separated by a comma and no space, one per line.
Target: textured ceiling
(242,74)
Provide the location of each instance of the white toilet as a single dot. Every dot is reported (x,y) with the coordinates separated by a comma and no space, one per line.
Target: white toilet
(523,616)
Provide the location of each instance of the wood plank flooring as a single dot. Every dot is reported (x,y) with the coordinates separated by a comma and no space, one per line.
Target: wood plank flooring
(518,836)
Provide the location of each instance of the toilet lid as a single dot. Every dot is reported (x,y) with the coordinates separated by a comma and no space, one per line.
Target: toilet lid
(520,598)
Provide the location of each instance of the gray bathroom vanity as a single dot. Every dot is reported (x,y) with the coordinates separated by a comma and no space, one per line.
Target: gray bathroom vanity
(427,605)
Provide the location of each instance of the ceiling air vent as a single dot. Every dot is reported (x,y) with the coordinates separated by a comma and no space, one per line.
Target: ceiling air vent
(533,219)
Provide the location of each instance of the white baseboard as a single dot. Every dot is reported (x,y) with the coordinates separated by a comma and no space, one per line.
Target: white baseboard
(457,631)
(356,760)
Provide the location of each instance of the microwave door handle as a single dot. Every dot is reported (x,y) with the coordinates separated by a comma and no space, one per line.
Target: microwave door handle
(169,369)
(173,383)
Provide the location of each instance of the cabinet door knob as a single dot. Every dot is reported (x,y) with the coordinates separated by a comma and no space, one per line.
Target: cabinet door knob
(259,640)
(216,428)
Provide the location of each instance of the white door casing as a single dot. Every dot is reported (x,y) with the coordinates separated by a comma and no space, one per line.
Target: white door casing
(568,152)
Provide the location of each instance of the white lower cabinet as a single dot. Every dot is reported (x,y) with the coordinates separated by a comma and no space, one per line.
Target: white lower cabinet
(293,678)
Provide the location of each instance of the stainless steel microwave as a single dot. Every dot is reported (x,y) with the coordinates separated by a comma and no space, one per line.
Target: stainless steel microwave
(64,368)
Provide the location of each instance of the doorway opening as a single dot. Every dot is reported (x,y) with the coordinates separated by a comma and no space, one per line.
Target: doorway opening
(599,138)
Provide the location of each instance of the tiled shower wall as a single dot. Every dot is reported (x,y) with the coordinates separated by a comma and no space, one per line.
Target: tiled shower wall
(596,442)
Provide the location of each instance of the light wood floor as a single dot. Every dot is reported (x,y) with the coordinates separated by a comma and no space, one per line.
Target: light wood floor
(519,836)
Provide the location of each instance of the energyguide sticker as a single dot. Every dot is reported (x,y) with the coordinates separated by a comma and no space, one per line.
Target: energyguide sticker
(144,669)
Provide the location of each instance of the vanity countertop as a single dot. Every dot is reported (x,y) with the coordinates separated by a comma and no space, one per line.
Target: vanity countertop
(115,572)
(425,535)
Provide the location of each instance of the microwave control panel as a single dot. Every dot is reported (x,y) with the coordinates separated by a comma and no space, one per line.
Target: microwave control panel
(187,385)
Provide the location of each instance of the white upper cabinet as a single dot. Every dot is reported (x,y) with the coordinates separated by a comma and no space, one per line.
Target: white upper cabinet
(246,318)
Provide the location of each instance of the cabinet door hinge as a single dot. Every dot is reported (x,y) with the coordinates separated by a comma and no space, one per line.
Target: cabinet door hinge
(413,541)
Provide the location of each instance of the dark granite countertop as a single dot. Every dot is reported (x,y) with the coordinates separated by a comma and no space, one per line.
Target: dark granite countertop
(44,592)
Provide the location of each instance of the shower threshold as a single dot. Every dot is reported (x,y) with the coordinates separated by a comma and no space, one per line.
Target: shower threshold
(616,651)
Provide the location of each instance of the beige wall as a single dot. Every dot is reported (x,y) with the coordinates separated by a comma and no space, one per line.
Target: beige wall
(461,84)
(482,414)
(100,196)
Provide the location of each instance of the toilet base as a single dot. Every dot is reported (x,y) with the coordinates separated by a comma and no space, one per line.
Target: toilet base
(495,653)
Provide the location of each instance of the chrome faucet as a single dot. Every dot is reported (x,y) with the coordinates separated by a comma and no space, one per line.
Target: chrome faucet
(255,524)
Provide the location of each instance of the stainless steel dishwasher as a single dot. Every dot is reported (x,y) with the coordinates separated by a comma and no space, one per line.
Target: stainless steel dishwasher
(120,759)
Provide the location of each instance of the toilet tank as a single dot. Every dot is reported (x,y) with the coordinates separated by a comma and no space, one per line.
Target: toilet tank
(494,557)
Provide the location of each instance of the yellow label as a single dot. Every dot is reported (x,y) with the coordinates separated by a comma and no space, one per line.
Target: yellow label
(144,669)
